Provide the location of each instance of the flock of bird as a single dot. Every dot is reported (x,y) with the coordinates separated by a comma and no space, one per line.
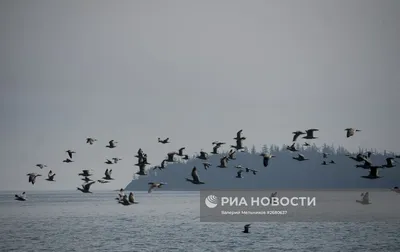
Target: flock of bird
(194,178)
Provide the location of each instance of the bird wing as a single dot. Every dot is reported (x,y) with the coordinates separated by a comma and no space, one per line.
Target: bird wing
(195,176)
(265,161)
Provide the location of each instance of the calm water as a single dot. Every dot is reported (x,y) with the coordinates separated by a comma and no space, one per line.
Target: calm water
(165,221)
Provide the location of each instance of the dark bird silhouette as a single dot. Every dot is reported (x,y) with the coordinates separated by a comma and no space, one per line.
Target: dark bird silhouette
(332,162)
(86,187)
(20,197)
(253,171)
(239,135)
(373,169)
(107,175)
(162,166)
(223,162)
(266,158)
(171,156)
(203,155)
(217,145)
(292,148)
(90,140)
(246,228)
(155,185)
(103,181)
(324,163)
(41,166)
(165,141)
(86,179)
(115,160)
(350,132)
(389,163)
(111,144)
(85,173)
(70,152)
(231,155)
(195,178)
(108,161)
(32,177)
(140,153)
(239,174)
(142,170)
(68,160)
(300,157)
(239,145)
(297,134)
(50,176)
(180,152)
(310,134)
(206,165)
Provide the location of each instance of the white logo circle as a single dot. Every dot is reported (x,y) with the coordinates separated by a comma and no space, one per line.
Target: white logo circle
(211,201)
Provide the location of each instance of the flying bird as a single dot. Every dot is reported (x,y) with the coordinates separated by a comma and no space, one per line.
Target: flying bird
(115,160)
(239,174)
(41,166)
(108,161)
(85,173)
(68,160)
(266,158)
(239,135)
(297,134)
(90,140)
(86,187)
(246,228)
(300,157)
(32,177)
(162,166)
(231,155)
(217,145)
(180,151)
(310,134)
(223,162)
(155,185)
(107,175)
(195,177)
(389,163)
(111,144)
(103,181)
(206,165)
(165,141)
(350,132)
(292,148)
(203,155)
(70,152)
(50,176)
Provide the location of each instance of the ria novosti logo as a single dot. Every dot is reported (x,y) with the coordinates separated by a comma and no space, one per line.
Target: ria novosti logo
(211,201)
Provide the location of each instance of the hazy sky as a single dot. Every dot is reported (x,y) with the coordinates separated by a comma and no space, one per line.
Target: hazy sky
(194,71)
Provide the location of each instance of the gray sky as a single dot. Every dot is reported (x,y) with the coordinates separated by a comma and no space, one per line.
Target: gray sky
(134,71)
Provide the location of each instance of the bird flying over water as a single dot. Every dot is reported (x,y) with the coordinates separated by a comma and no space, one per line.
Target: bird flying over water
(246,228)
(292,148)
(203,155)
(86,187)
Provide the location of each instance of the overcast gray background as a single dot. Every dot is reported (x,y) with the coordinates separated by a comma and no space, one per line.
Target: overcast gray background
(194,71)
